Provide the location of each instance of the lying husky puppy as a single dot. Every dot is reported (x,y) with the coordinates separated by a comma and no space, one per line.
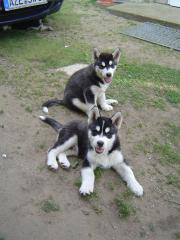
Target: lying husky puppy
(97,143)
(95,78)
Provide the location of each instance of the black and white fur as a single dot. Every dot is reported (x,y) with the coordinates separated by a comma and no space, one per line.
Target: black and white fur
(97,143)
(94,80)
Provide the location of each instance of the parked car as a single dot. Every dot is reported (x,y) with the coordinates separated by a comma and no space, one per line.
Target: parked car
(17,11)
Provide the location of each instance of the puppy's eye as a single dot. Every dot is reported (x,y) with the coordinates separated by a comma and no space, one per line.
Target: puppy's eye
(108,135)
(101,67)
(94,132)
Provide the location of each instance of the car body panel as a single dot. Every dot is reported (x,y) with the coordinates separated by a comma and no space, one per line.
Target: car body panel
(28,13)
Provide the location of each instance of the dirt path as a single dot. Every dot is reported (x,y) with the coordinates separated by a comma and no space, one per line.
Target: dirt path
(36,203)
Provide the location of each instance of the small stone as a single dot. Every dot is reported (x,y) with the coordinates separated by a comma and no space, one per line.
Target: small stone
(85,212)
(4,155)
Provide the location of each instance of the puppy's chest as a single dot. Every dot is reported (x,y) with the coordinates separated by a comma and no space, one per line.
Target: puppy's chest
(99,90)
(98,160)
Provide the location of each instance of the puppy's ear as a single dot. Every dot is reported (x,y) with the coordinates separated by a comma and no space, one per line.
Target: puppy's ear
(116,55)
(96,54)
(93,114)
(117,119)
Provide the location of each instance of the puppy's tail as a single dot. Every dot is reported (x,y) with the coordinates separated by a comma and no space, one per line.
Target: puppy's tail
(52,122)
(51,103)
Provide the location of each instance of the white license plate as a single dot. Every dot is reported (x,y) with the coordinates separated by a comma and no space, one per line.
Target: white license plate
(16,4)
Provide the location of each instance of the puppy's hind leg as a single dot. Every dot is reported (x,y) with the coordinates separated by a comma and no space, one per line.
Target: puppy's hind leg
(62,157)
(51,161)
(80,105)
(60,148)
(63,161)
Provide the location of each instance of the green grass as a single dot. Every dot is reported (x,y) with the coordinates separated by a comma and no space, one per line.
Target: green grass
(166,153)
(93,196)
(30,56)
(98,172)
(138,83)
(2,237)
(110,186)
(49,205)
(173,180)
(177,235)
(172,131)
(28,109)
(125,209)
(77,182)
(172,96)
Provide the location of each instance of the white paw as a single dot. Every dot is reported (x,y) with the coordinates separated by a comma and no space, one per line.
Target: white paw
(137,189)
(107,107)
(63,161)
(86,189)
(111,101)
(45,110)
(53,166)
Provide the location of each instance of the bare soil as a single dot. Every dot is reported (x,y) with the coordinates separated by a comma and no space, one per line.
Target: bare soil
(25,182)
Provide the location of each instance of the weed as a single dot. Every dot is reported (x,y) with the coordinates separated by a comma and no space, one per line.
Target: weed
(28,109)
(1,111)
(158,103)
(77,182)
(172,96)
(2,237)
(151,227)
(98,172)
(96,209)
(74,163)
(142,234)
(177,235)
(42,146)
(124,207)
(173,180)
(110,186)
(49,206)
(93,196)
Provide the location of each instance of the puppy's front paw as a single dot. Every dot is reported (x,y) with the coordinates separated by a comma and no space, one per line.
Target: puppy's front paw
(112,101)
(86,189)
(137,189)
(107,107)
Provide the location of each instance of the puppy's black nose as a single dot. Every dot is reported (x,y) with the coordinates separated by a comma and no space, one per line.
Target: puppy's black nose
(100,143)
(108,74)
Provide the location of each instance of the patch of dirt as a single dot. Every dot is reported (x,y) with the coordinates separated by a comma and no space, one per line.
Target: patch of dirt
(25,182)
(69,70)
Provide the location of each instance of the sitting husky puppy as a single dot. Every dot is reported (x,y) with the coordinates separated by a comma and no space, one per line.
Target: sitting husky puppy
(95,78)
(97,143)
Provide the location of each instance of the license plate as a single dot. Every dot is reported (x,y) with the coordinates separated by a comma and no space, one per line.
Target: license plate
(16,4)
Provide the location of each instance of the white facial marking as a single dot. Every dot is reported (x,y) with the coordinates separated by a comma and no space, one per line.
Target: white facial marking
(103,64)
(98,128)
(107,130)
(110,62)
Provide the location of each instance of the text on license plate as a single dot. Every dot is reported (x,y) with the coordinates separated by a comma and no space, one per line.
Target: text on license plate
(16,4)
